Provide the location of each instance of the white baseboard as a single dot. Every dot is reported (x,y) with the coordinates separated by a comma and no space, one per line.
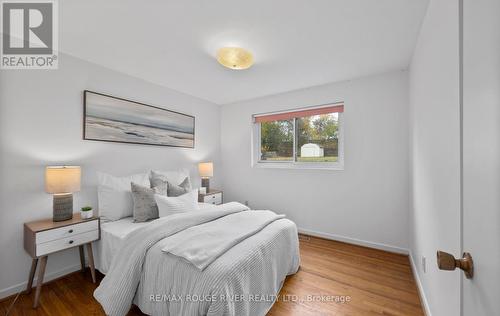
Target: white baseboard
(11,290)
(421,292)
(354,241)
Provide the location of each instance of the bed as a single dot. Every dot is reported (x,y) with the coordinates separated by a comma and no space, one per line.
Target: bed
(243,279)
(113,234)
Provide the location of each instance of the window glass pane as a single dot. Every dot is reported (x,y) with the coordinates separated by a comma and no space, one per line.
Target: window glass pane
(317,139)
(276,140)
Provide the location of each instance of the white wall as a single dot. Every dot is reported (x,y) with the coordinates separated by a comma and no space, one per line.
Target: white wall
(367,201)
(41,124)
(481,155)
(435,154)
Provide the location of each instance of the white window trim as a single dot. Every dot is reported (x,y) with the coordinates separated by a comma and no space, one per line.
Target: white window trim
(256,154)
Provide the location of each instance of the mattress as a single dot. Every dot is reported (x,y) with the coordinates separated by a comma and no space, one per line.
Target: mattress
(112,235)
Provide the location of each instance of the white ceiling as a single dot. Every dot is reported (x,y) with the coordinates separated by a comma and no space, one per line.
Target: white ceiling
(296,43)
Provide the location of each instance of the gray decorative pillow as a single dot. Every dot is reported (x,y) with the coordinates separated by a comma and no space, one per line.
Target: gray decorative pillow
(164,186)
(145,207)
(177,190)
(159,184)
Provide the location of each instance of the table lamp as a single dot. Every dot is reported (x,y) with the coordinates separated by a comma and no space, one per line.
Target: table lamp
(206,170)
(62,181)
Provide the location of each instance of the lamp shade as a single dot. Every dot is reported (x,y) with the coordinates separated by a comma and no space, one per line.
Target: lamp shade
(206,169)
(62,179)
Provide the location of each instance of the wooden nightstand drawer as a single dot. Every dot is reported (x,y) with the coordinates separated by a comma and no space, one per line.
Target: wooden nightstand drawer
(213,198)
(66,231)
(65,243)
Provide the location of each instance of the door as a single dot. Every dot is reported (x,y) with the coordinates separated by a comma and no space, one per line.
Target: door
(481,155)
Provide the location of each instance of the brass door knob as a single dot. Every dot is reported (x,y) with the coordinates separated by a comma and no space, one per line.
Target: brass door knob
(448,262)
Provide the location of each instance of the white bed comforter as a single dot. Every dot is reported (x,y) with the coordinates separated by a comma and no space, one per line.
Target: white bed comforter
(242,281)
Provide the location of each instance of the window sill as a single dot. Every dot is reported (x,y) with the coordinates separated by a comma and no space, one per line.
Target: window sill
(299,165)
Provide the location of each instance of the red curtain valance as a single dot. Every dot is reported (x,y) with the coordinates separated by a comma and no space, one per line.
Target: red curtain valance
(337,108)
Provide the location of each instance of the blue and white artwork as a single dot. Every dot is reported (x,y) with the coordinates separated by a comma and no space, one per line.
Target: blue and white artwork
(113,119)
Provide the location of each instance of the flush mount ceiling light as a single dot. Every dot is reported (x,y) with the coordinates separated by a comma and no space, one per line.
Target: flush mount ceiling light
(235,57)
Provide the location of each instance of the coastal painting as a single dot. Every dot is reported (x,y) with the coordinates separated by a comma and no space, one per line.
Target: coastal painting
(113,119)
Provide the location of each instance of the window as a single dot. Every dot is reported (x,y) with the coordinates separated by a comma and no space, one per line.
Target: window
(305,138)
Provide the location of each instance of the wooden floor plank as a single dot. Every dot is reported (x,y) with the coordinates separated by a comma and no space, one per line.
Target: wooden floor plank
(373,272)
(377,282)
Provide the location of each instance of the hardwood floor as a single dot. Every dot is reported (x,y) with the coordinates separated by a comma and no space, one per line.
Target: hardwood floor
(375,282)
(378,282)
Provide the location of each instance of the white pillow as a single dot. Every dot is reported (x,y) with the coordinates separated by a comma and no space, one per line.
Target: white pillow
(114,195)
(114,204)
(122,183)
(169,205)
(175,177)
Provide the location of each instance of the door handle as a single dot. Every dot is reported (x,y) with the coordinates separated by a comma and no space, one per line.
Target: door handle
(448,262)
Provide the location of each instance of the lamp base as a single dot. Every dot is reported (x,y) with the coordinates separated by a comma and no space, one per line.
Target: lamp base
(205,182)
(63,207)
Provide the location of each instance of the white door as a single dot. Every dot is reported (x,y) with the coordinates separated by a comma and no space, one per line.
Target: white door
(481,155)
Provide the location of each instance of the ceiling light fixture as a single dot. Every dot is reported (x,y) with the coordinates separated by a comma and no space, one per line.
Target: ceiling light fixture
(235,57)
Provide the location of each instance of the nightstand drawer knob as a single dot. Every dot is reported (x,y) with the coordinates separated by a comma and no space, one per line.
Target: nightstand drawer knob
(71,241)
(70,231)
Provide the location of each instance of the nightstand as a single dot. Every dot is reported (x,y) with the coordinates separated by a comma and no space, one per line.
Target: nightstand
(45,237)
(212,197)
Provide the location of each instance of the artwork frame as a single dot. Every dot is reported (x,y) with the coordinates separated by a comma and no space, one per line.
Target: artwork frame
(106,128)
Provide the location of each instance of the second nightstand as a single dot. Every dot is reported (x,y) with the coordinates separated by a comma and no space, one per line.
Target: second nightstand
(213,197)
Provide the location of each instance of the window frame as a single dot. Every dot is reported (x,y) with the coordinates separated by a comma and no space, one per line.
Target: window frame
(294,164)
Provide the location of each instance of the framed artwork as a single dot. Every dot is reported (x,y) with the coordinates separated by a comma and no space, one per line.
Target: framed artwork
(112,119)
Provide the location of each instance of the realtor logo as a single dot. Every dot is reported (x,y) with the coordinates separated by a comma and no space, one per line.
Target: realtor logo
(30,37)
